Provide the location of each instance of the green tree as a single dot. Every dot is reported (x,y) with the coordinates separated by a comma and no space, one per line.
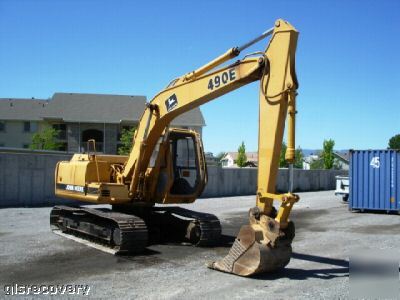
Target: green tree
(317,164)
(126,141)
(299,157)
(45,140)
(242,158)
(394,142)
(282,161)
(327,154)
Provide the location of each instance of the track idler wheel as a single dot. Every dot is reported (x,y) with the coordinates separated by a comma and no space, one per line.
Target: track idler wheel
(193,233)
(259,247)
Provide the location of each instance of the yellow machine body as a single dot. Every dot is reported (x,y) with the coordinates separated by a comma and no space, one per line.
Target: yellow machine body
(87,178)
(178,159)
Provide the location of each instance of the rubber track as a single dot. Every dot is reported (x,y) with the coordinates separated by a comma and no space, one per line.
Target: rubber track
(133,229)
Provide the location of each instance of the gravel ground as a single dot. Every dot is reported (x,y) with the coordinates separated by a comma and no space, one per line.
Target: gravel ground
(327,234)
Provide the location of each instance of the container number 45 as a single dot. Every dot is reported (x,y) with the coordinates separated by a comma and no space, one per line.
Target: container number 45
(375,163)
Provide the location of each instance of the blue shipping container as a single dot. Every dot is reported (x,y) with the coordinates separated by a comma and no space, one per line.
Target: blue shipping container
(375,180)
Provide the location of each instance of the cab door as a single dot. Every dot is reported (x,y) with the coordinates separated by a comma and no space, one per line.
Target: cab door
(189,174)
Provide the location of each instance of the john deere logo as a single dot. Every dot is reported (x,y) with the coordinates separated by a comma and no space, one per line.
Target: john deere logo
(171,102)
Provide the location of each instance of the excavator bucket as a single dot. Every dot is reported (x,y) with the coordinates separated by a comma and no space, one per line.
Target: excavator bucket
(259,247)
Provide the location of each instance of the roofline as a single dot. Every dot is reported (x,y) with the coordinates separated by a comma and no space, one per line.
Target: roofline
(23,99)
(117,95)
(341,157)
(44,118)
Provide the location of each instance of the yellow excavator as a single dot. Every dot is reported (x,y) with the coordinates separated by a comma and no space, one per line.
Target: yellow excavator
(167,166)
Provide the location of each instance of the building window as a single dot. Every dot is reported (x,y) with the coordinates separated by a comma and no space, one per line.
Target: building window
(2,126)
(1,145)
(27,126)
(25,146)
(92,134)
(62,131)
(30,126)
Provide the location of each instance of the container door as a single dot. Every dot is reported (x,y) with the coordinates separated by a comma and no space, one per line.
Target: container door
(374,181)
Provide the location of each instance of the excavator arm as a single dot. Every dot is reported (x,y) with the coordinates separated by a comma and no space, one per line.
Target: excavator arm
(265,244)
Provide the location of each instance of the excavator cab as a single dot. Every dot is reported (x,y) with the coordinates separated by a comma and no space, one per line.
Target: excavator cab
(185,164)
(182,172)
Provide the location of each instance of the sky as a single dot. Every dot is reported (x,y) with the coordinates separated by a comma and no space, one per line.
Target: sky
(347,59)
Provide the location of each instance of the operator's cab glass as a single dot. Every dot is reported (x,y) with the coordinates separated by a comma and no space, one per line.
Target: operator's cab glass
(184,163)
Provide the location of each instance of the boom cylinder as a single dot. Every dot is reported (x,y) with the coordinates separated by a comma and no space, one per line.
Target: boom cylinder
(257,39)
(231,53)
(290,150)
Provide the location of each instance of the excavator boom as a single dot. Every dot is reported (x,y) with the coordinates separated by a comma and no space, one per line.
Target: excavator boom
(265,244)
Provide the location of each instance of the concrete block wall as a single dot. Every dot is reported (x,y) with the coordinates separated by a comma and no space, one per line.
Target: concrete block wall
(235,181)
(230,182)
(27,179)
(309,180)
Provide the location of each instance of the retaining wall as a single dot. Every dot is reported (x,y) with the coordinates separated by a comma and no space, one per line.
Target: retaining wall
(27,179)
(236,181)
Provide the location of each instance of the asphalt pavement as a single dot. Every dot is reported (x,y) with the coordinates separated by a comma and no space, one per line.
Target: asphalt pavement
(327,234)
